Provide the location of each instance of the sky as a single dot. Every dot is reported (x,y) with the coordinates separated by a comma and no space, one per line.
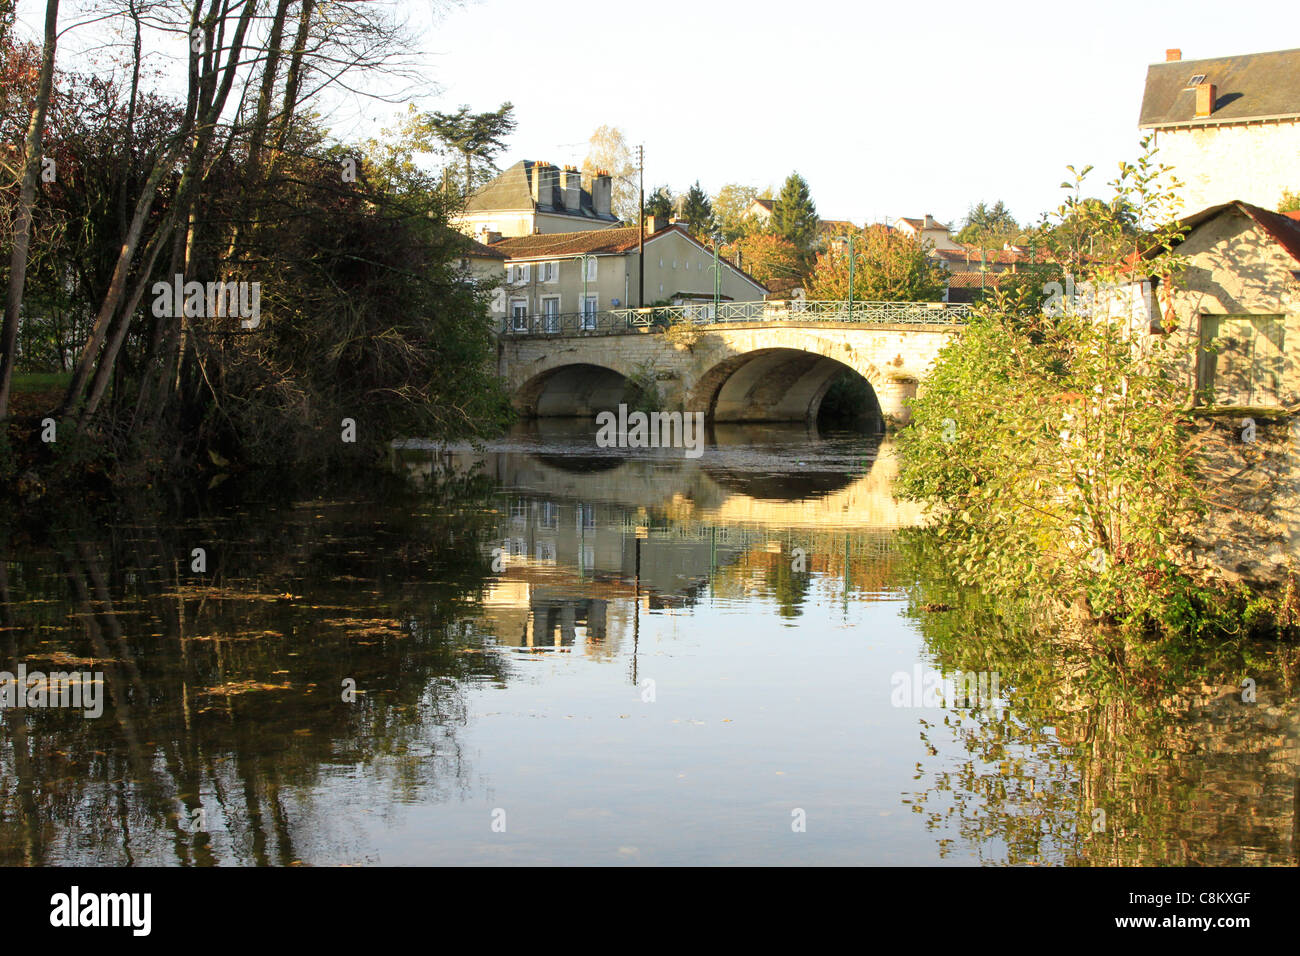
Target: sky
(887,110)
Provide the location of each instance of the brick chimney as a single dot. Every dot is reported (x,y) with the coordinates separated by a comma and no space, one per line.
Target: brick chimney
(653,224)
(1173,55)
(1205,97)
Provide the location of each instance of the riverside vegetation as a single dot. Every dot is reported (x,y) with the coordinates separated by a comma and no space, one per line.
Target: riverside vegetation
(1057,454)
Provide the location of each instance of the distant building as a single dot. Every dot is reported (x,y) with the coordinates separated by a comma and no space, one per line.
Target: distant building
(1229,126)
(533,198)
(580,274)
(926,230)
(760,210)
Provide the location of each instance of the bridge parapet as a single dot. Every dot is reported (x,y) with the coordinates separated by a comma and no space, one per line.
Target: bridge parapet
(624,321)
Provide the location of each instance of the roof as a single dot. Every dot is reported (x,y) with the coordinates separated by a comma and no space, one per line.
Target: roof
(588,242)
(1293,214)
(1254,86)
(477,250)
(766,203)
(919,224)
(513,190)
(974,254)
(1284,230)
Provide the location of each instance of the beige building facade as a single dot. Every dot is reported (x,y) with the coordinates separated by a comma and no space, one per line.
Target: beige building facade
(1229,126)
(562,282)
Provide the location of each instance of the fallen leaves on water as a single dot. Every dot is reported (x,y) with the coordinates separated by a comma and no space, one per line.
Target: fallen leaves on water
(236,687)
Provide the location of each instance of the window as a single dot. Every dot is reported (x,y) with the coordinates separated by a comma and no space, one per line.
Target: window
(589,308)
(522,271)
(519,315)
(591,268)
(1242,359)
(551,312)
(549,517)
(550,271)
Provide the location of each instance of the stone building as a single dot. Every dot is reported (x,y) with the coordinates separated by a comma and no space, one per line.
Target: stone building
(533,198)
(1230,126)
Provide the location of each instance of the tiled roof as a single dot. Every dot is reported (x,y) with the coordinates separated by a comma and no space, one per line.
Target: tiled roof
(477,250)
(1280,227)
(588,242)
(1293,214)
(974,254)
(1250,87)
(976,280)
(766,203)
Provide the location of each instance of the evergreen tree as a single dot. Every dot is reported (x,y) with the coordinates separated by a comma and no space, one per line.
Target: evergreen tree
(698,211)
(794,216)
(659,203)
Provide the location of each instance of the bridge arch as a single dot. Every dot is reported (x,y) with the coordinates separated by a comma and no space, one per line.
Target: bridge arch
(782,384)
(570,390)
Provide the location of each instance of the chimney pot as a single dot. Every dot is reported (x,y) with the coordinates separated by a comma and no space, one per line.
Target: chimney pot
(1205,97)
(1173,55)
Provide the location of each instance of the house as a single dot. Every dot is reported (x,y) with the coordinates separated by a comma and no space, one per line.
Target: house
(533,198)
(1236,310)
(1229,126)
(581,274)
(926,230)
(760,210)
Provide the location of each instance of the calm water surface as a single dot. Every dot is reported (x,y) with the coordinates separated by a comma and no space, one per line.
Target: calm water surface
(563,654)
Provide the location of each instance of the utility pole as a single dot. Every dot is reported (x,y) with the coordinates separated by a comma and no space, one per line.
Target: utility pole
(640,220)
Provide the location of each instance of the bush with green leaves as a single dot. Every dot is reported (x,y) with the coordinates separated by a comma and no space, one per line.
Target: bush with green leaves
(1054,449)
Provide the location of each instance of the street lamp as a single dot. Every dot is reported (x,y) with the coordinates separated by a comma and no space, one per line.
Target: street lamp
(582,306)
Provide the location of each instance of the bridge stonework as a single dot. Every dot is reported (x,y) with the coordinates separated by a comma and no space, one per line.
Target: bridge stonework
(732,371)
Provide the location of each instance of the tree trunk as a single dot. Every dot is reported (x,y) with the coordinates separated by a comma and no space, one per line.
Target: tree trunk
(23,218)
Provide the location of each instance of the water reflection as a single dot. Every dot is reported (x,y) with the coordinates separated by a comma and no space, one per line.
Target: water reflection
(639,659)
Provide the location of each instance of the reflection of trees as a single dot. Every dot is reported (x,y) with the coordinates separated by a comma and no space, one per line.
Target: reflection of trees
(224,690)
(1156,737)
(850,565)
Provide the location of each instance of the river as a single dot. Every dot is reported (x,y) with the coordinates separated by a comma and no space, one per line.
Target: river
(555,653)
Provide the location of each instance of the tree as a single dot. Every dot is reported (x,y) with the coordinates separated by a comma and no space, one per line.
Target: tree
(22,228)
(888,266)
(794,216)
(772,260)
(608,150)
(731,209)
(1056,457)
(474,137)
(989,226)
(1290,201)
(698,211)
(661,203)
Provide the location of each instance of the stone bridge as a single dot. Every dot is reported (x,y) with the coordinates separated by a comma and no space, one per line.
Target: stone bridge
(741,371)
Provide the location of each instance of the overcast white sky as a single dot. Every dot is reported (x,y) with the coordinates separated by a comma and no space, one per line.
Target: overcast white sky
(887,109)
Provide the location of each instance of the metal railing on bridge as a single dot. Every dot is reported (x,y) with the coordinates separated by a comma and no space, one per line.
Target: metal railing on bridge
(614,321)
